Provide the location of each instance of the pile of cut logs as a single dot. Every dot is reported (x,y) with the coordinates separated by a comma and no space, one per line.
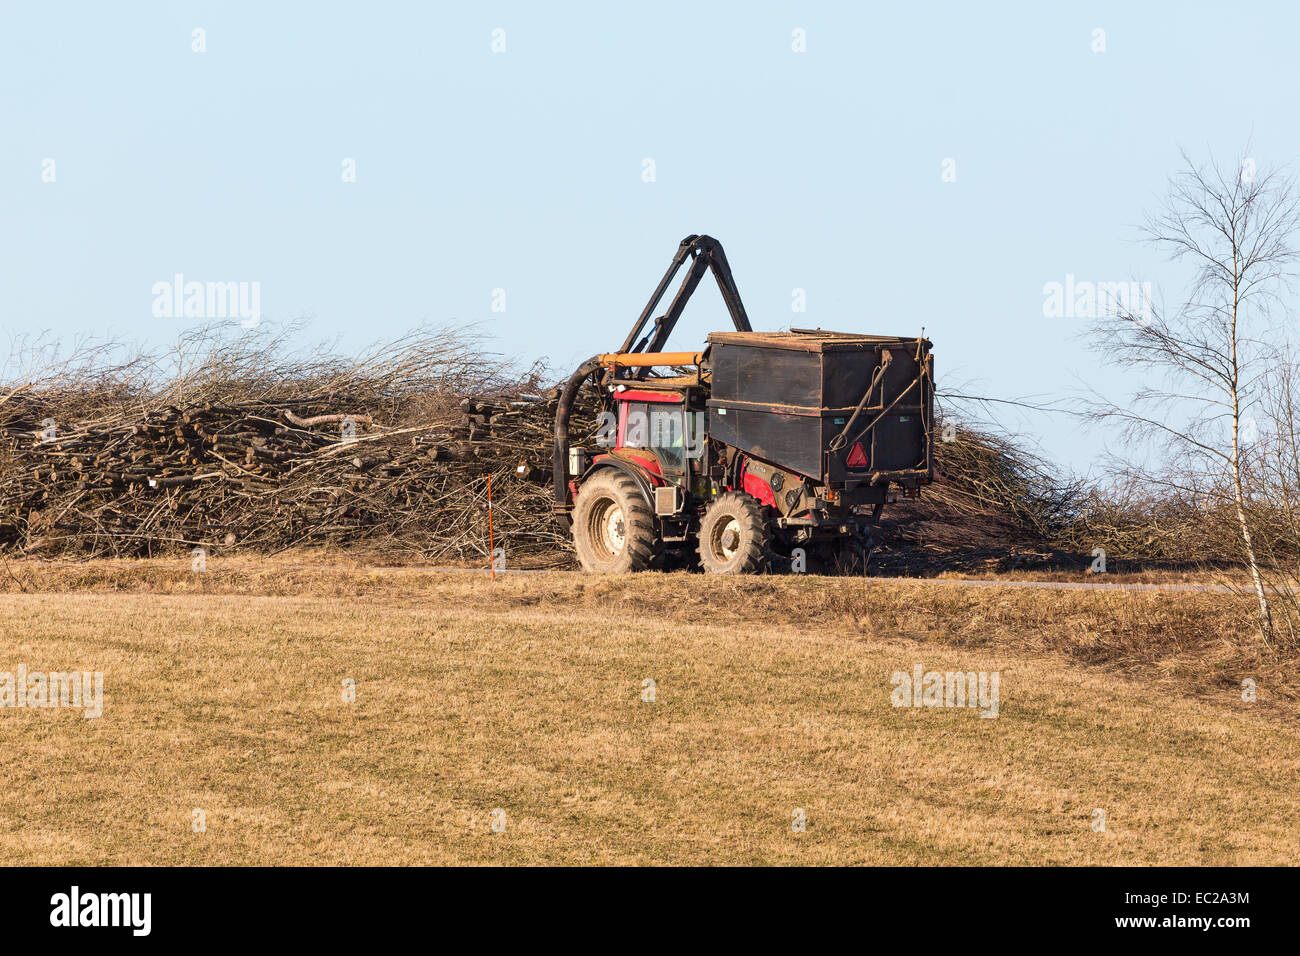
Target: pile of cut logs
(270,475)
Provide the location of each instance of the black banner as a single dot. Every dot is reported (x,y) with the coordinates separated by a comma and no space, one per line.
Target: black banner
(944,906)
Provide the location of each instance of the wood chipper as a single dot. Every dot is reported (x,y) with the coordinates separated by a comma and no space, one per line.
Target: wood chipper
(737,456)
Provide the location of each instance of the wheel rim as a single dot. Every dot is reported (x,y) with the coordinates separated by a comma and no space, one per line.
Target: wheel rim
(725,540)
(609,527)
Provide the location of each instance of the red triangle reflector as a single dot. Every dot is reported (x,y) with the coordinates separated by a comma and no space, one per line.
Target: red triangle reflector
(857,457)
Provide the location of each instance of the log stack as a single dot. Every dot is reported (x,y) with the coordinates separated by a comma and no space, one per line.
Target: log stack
(269,475)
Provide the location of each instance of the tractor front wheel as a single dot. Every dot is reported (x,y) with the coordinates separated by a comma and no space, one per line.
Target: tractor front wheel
(613,527)
(734,535)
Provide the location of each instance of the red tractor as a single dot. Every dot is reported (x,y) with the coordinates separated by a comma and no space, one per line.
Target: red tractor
(766,449)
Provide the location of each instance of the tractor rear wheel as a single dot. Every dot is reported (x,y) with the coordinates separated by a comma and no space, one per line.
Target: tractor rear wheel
(613,527)
(734,535)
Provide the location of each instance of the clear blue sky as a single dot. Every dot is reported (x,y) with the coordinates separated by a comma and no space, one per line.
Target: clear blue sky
(523,170)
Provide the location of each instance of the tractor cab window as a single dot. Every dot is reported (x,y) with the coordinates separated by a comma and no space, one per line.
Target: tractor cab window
(658,426)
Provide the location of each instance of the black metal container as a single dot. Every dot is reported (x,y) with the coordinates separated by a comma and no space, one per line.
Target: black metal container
(840,408)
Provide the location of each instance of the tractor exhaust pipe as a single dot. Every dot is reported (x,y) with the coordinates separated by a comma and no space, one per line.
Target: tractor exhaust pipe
(563,410)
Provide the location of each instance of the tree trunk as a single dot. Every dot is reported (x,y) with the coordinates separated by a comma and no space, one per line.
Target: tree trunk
(1265,614)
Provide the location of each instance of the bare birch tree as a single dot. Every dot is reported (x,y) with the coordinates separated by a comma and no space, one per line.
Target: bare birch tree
(1203,361)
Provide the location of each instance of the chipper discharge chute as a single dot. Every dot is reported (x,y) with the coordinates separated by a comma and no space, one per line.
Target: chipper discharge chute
(767,449)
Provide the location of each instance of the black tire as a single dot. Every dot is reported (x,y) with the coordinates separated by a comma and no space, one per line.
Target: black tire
(613,527)
(734,535)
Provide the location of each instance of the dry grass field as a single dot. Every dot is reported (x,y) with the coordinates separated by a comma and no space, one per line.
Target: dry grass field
(224,692)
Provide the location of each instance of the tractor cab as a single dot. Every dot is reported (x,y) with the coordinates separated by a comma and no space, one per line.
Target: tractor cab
(661,424)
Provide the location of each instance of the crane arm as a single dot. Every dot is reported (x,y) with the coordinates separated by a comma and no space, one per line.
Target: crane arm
(705,254)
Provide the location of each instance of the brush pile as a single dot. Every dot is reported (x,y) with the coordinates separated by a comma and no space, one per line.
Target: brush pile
(993,505)
(237,450)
